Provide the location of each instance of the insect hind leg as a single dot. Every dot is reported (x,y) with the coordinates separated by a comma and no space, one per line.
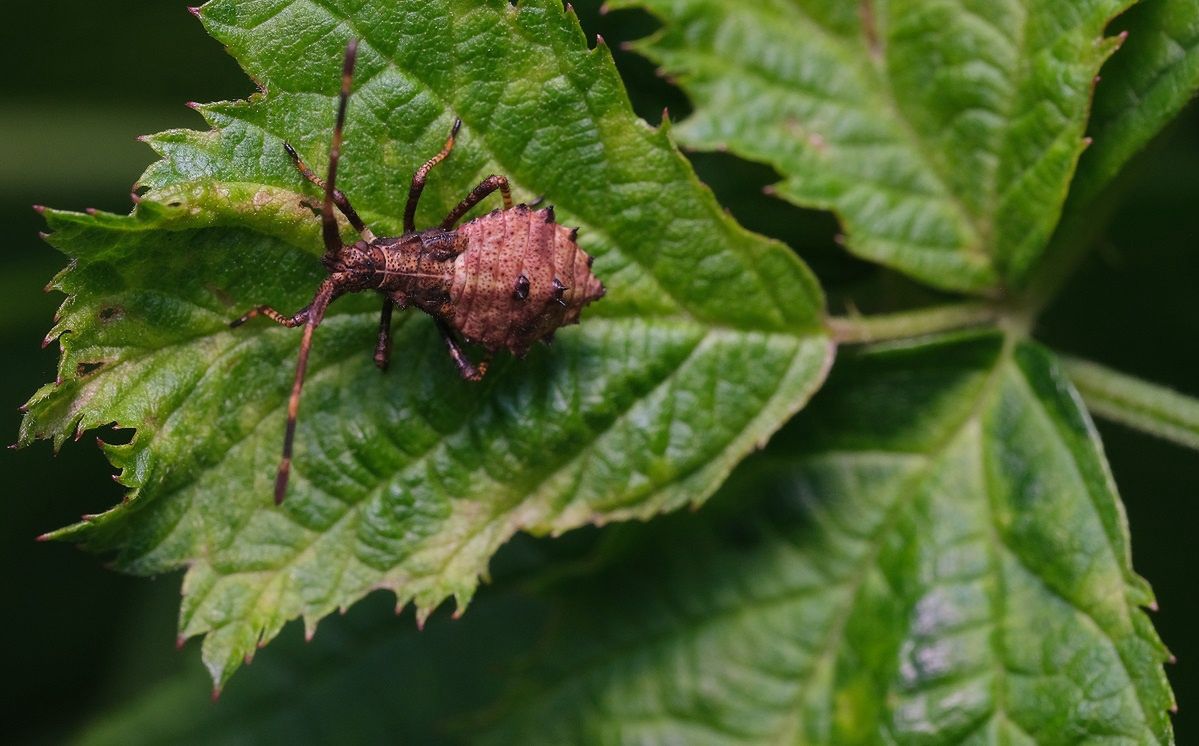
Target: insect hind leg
(468,370)
(485,187)
(422,173)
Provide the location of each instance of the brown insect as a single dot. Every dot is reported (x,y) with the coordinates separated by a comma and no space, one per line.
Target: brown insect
(502,281)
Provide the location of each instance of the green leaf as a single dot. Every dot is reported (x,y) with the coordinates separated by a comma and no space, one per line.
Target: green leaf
(943,134)
(1143,88)
(932,553)
(709,339)
(947,562)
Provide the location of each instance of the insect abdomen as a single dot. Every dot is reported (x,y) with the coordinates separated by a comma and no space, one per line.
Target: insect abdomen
(520,277)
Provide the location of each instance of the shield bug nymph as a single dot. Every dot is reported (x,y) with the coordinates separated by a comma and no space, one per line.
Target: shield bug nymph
(504,280)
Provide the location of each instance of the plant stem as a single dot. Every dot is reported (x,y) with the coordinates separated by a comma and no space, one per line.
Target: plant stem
(1139,404)
(866,329)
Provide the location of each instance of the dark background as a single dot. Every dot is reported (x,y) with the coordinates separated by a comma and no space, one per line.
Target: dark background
(84,78)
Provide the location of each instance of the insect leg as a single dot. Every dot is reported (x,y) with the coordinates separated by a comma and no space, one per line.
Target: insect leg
(383,347)
(418,178)
(328,221)
(339,198)
(466,368)
(485,187)
(279,318)
(316,313)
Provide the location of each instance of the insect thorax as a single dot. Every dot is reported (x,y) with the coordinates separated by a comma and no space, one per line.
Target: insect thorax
(416,269)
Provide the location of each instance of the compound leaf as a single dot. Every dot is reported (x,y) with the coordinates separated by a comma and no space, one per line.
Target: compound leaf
(946,562)
(943,134)
(709,339)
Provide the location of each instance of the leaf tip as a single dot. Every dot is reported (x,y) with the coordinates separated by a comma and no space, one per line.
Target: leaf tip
(599,41)
(41,538)
(603,9)
(39,209)
(43,235)
(216,692)
(180,641)
(194,10)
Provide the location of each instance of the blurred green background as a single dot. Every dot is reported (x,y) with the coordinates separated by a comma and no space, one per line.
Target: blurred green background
(83,79)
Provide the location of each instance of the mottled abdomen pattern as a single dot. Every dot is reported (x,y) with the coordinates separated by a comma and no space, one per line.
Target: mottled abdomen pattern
(520,277)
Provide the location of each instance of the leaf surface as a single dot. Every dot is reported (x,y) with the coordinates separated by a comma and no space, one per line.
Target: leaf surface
(932,552)
(943,134)
(1143,88)
(709,339)
(947,562)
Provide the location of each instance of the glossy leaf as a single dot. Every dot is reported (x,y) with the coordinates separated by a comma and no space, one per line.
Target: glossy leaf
(943,134)
(932,552)
(709,339)
(947,562)
(1143,88)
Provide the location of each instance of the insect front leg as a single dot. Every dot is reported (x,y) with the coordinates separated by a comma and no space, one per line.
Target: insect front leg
(291,322)
(485,187)
(466,368)
(339,198)
(383,346)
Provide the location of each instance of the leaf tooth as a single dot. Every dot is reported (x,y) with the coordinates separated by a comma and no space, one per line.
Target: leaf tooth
(667,124)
